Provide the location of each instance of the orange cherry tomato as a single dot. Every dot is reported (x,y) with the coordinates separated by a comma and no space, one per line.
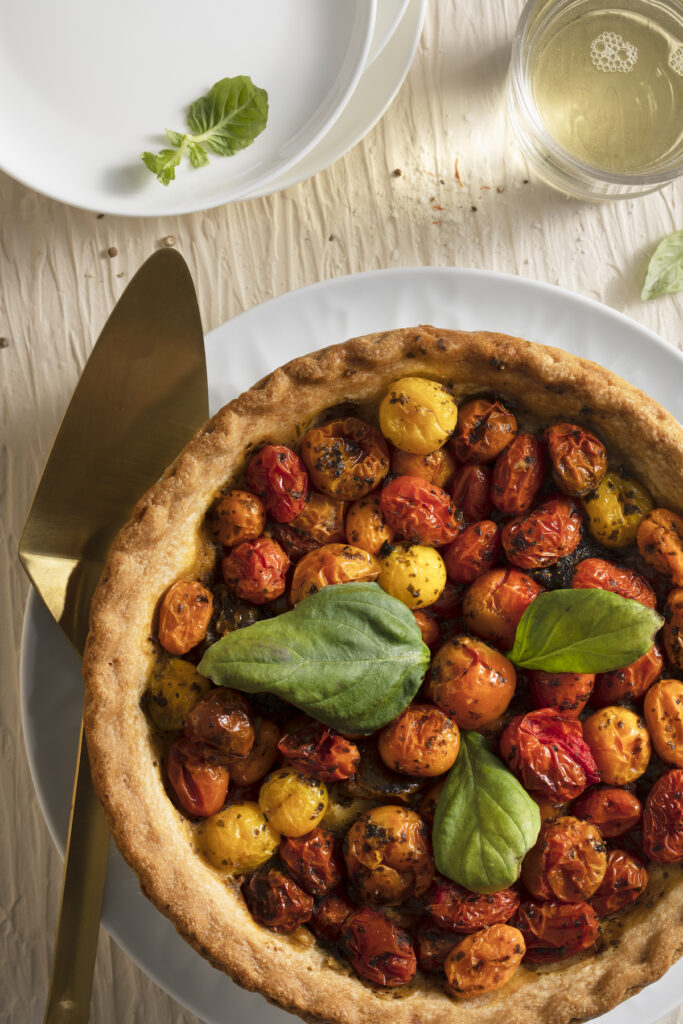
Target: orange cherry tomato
(321,519)
(625,879)
(579,458)
(422,741)
(518,476)
(418,512)
(456,909)
(255,570)
(549,754)
(672,633)
(436,468)
(260,758)
(632,682)
(663,819)
(377,949)
(663,710)
(331,563)
(429,627)
(346,459)
(314,861)
(619,743)
(660,542)
(598,574)
(495,602)
(200,787)
(471,492)
(567,692)
(542,537)
(555,931)
(276,901)
(279,477)
(184,616)
(367,526)
(238,516)
(484,429)
(471,681)
(388,856)
(484,961)
(314,749)
(568,862)
(473,552)
(611,809)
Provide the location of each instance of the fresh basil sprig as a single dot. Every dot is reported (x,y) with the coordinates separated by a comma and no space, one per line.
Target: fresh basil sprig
(583,631)
(485,821)
(665,269)
(227,119)
(350,656)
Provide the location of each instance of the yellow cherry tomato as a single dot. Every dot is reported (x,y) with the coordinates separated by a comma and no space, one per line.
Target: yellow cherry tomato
(238,839)
(174,687)
(418,415)
(616,508)
(293,803)
(414,574)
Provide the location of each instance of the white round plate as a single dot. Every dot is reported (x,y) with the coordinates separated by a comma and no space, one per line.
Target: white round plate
(263,338)
(376,88)
(389,13)
(89,85)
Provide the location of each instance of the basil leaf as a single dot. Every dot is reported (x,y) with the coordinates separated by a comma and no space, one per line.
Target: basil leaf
(665,269)
(583,631)
(350,656)
(485,821)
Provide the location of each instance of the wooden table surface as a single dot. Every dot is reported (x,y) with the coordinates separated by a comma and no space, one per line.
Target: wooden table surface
(464,197)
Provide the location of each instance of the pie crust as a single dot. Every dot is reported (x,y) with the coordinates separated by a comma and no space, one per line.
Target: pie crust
(164,541)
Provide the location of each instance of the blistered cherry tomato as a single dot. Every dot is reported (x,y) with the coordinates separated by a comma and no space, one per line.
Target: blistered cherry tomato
(346,458)
(418,512)
(485,961)
(238,839)
(625,879)
(422,741)
(222,721)
(598,574)
(518,476)
(388,856)
(200,787)
(436,468)
(432,946)
(314,749)
(663,819)
(276,901)
(374,781)
(448,604)
(429,627)
(663,710)
(236,517)
(174,687)
(418,415)
(473,552)
(632,681)
(321,519)
(549,754)
(611,809)
(471,492)
(329,916)
(616,509)
(620,744)
(672,632)
(555,931)
(261,757)
(484,429)
(495,602)
(568,862)
(542,537)
(458,910)
(293,803)
(471,681)
(567,692)
(377,949)
(256,570)
(314,861)
(279,477)
(426,808)
(367,526)
(579,458)
(184,616)
(414,574)
(660,542)
(331,563)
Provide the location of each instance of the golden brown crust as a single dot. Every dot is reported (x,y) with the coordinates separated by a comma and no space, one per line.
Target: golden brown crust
(164,541)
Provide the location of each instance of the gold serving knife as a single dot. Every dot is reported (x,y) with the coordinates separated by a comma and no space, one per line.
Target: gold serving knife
(142,395)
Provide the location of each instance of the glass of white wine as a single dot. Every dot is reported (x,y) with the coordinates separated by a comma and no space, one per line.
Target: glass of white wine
(595,94)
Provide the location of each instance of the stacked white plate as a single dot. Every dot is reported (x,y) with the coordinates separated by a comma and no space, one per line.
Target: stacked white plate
(103,81)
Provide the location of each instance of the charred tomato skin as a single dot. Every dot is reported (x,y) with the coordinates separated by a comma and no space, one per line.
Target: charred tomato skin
(548,753)
(276,901)
(518,476)
(278,476)
(578,458)
(484,429)
(377,949)
(554,931)
(663,819)
(625,879)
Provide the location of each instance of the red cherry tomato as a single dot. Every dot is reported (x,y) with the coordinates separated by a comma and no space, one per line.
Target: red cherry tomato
(663,819)
(314,861)
(223,724)
(625,879)
(611,809)
(378,949)
(566,692)
(549,754)
(279,477)
(484,429)
(458,910)
(255,570)
(429,627)
(449,604)
(329,916)
(631,682)
(473,552)
(471,492)
(518,476)
(200,787)
(314,749)
(432,946)
(555,931)
(567,863)
(418,512)
(276,901)
(578,457)
(599,574)
(542,537)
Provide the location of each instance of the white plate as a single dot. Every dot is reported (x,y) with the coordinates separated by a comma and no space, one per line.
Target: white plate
(239,353)
(389,13)
(89,85)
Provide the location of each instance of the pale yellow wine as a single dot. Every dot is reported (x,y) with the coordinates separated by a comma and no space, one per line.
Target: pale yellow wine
(608,84)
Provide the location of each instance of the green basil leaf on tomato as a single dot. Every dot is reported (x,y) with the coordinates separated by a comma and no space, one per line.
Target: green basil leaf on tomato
(583,631)
(485,821)
(350,656)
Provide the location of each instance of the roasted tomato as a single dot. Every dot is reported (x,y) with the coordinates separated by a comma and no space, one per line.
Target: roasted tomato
(261,757)
(663,709)
(238,839)
(660,542)
(279,477)
(485,961)
(174,687)
(276,901)
(484,429)
(377,949)
(418,512)
(314,749)
(314,861)
(200,787)
(473,552)
(542,537)
(329,915)
(432,946)
(321,519)
(473,682)
(222,721)
(672,632)
(568,862)
(331,563)
(256,570)
(566,692)
(429,627)
(663,819)
(422,741)
(632,682)
(518,476)
(374,781)
(458,910)
(436,468)
(388,856)
(184,616)
(620,744)
(471,492)
(549,754)
(294,804)
(598,574)
(414,574)
(236,517)
(616,509)
(625,879)
(555,931)
(418,415)
(346,458)
(448,604)
(366,525)
(426,808)
(579,458)
(495,602)
(611,809)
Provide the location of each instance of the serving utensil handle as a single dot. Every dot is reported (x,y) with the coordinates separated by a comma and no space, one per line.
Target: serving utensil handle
(85,866)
